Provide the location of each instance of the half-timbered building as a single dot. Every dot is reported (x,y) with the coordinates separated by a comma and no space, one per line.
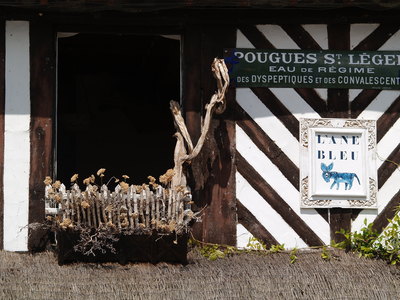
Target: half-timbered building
(86,84)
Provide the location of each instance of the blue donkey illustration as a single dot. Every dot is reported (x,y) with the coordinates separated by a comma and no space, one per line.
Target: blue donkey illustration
(347,178)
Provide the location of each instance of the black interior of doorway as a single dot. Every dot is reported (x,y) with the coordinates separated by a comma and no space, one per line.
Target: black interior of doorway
(113,105)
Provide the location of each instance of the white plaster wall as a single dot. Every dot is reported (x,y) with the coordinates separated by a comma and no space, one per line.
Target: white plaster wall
(289,145)
(391,138)
(261,210)
(16,136)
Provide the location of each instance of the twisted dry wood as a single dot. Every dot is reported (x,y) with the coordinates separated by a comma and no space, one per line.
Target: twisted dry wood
(184,153)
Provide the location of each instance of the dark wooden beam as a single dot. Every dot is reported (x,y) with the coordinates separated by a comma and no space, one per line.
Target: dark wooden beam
(377,38)
(384,123)
(218,198)
(123,5)
(276,202)
(301,37)
(43,87)
(219,222)
(121,29)
(192,92)
(338,104)
(339,107)
(361,102)
(338,99)
(382,220)
(2,107)
(387,120)
(271,150)
(278,109)
(388,166)
(216,17)
(267,146)
(256,37)
(314,100)
(192,99)
(250,222)
(340,218)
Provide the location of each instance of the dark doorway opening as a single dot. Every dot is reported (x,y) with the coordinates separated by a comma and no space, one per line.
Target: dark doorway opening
(113,105)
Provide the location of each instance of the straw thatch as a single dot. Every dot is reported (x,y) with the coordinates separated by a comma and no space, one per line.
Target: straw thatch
(245,276)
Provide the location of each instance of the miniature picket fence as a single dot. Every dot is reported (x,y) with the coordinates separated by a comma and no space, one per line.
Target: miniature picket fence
(133,209)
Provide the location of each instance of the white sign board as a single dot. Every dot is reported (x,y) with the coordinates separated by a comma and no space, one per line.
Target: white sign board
(337,163)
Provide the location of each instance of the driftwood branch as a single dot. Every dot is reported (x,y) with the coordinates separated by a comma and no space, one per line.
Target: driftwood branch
(184,153)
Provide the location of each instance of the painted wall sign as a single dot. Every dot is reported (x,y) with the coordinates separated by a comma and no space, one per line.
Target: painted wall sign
(323,69)
(337,166)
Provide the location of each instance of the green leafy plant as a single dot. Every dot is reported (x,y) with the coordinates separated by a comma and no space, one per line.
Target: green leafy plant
(277,248)
(256,244)
(213,251)
(293,255)
(369,243)
(389,241)
(325,254)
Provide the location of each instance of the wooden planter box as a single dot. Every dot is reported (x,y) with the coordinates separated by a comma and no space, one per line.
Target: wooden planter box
(152,248)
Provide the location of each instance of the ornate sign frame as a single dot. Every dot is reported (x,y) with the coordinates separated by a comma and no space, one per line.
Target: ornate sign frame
(338,163)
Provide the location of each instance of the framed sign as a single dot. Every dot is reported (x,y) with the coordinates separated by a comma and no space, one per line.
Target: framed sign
(307,68)
(337,163)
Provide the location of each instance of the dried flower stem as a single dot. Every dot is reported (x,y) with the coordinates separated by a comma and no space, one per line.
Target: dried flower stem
(135,209)
(129,206)
(147,193)
(118,198)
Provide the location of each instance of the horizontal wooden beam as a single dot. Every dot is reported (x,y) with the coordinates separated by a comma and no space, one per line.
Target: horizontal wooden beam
(183,16)
(276,202)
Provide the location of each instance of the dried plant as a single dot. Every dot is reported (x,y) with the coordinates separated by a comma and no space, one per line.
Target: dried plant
(100,172)
(184,149)
(100,215)
(130,209)
(74,178)
(90,242)
(48,180)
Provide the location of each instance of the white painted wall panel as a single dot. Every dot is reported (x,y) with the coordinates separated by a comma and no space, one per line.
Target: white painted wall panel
(277,36)
(242,236)
(353,93)
(266,215)
(380,104)
(319,33)
(385,194)
(280,184)
(16,138)
(299,108)
(242,41)
(388,143)
(393,43)
(294,103)
(358,32)
(269,123)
